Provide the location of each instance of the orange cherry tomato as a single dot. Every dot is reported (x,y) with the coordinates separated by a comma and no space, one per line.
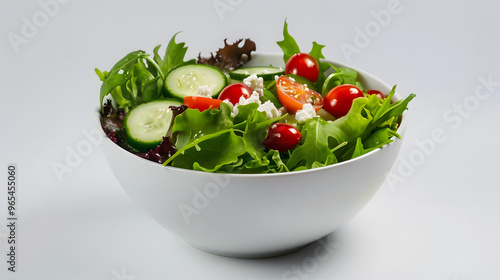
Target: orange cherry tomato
(201,103)
(293,95)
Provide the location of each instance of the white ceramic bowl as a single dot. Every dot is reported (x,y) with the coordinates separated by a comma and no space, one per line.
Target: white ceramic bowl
(255,215)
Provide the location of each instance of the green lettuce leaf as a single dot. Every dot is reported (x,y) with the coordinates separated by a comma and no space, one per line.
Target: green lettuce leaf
(324,141)
(138,78)
(339,77)
(174,55)
(210,152)
(317,53)
(193,124)
(272,162)
(288,45)
(314,148)
(205,140)
(384,115)
(114,81)
(256,129)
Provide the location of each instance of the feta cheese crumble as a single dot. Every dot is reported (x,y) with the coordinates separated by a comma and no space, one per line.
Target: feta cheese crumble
(306,113)
(255,83)
(267,107)
(254,98)
(205,91)
(270,109)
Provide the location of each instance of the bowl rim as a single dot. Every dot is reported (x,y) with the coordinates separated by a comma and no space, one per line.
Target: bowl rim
(401,128)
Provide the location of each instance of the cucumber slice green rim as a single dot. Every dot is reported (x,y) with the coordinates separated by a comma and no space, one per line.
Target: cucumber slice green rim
(147,124)
(267,73)
(185,80)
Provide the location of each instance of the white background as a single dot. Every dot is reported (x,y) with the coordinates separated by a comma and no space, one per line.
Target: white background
(436,218)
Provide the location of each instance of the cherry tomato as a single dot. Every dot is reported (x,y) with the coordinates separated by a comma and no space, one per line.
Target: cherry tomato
(293,95)
(376,92)
(304,65)
(233,92)
(339,99)
(282,137)
(201,103)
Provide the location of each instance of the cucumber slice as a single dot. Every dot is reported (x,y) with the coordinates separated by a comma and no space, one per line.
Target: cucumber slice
(147,124)
(266,73)
(185,80)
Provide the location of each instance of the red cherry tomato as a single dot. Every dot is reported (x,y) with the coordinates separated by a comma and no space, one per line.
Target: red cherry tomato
(376,92)
(339,99)
(282,137)
(304,65)
(294,95)
(233,92)
(201,103)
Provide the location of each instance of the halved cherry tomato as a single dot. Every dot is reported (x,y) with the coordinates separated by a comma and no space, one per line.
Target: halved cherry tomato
(233,92)
(201,103)
(376,92)
(338,100)
(293,95)
(282,137)
(304,65)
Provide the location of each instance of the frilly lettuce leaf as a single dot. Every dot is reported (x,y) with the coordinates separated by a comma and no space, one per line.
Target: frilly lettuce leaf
(370,124)
(321,138)
(138,78)
(339,77)
(174,55)
(231,56)
(210,152)
(213,140)
(205,140)
(193,124)
(256,127)
(290,47)
(385,116)
(271,162)
(314,148)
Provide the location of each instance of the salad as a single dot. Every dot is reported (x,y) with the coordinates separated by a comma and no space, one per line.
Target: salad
(215,114)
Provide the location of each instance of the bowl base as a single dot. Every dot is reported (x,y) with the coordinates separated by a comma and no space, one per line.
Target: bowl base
(247,255)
